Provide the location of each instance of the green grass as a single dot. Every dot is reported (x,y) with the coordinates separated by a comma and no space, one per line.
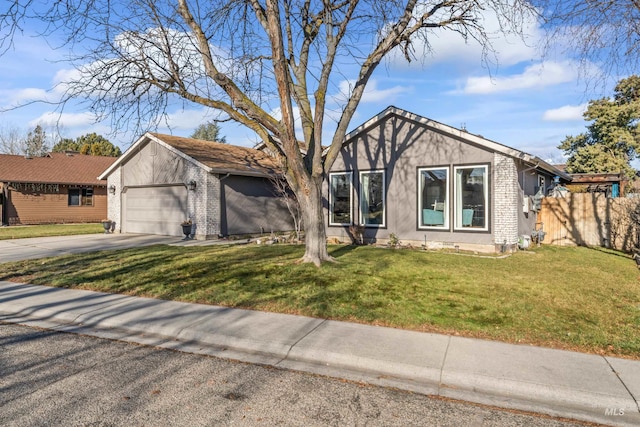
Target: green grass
(574,298)
(21,232)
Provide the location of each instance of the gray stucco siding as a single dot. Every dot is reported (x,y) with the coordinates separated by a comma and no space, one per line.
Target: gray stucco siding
(528,178)
(249,207)
(400,147)
(154,166)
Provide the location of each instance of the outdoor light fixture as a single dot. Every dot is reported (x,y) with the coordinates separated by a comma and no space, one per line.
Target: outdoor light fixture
(192,185)
(112,189)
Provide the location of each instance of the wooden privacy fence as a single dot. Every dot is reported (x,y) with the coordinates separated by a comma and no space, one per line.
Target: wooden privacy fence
(591,219)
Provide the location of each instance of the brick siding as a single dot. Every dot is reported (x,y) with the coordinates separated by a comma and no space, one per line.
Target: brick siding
(505,177)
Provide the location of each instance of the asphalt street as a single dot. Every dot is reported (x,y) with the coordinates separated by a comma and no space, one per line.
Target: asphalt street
(59,379)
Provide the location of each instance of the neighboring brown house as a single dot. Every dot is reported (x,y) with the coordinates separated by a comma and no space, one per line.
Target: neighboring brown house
(56,188)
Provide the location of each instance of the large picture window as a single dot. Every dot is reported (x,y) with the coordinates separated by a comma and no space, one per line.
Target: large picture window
(433,198)
(372,198)
(340,206)
(80,197)
(471,197)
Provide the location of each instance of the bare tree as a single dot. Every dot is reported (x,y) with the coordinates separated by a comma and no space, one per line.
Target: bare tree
(282,191)
(597,32)
(269,65)
(12,140)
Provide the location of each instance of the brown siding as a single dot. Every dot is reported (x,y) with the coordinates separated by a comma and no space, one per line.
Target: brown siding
(50,207)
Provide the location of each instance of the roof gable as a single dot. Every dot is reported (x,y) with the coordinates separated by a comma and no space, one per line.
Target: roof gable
(213,157)
(55,168)
(456,133)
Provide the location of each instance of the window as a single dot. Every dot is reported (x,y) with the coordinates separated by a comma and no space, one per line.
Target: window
(433,198)
(372,198)
(471,197)
(80,197)
(541,185)
(340,207)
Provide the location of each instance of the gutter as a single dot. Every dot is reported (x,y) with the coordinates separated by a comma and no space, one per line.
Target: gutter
(549,168)
(228,172)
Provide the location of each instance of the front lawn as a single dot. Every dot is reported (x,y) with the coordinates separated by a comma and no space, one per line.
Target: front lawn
(574,298)
(25,231)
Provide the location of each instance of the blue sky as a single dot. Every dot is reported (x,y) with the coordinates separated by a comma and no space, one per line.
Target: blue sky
(525,100)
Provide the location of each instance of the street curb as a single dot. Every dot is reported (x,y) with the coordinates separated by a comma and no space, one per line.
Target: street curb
(471,370)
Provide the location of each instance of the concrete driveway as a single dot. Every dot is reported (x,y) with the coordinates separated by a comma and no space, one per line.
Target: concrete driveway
(42,247)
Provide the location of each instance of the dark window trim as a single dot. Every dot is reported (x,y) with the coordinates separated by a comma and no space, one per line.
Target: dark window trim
(489,195)
(351,193)
(382,226)
(81,194)
(417,205)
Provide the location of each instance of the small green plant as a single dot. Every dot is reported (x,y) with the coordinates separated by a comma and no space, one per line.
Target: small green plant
(357,234)
(394,241)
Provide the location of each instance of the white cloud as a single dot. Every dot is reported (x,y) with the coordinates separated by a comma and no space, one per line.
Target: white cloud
(66,75)
(539,75)
(17,97)
(186,119)
(65,120)
(25,95)
(371,93)
(448,46)
(565,113)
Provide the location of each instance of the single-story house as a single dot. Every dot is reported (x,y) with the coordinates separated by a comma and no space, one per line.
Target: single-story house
(163,180)
(56,188)
(430,184)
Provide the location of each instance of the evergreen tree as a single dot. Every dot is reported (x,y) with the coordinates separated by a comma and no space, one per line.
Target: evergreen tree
(612,140)
(97,145)
(91,144)
(65,144)
(36,143)
(209,131)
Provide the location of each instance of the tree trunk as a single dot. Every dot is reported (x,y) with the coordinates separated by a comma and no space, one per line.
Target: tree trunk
(315,234)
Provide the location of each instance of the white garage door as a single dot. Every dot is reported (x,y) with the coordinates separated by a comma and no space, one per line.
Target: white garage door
(155,210)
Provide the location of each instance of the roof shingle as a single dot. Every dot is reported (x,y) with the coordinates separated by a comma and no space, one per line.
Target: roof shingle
(55,168)
(223,157)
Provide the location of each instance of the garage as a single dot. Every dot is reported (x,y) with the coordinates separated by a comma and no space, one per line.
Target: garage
(155,209)
(162,180)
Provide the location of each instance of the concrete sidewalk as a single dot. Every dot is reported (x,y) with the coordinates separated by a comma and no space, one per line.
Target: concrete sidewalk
(560,383)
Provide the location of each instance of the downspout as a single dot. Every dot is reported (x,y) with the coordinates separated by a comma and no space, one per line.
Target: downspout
(527,170)
(524,175)
(221,208)
(5,200)
(2,202)
(524,195)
